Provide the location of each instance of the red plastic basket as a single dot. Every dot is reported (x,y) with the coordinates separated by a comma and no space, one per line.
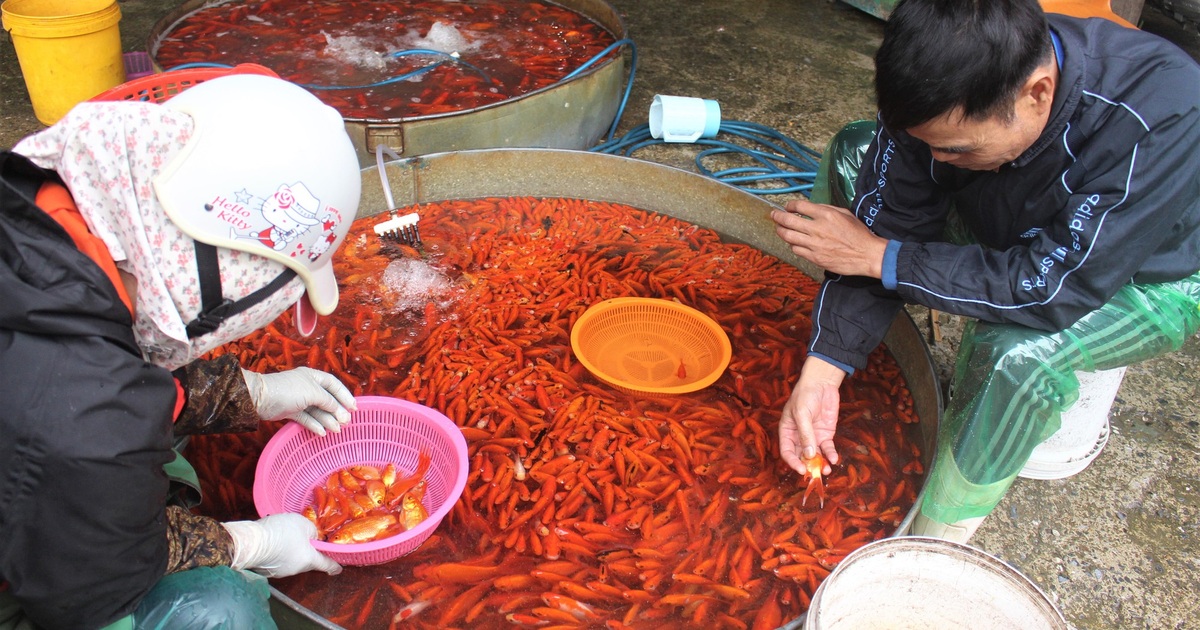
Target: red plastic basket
(384,430)
(157,88)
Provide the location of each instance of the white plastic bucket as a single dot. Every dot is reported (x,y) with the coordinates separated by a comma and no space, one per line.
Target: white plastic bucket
(1084,430)
(928,584)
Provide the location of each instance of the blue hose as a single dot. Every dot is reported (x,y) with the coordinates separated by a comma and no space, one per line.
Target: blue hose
(198,64)
(448,57)
(612,129)
(396,79)
(791,165)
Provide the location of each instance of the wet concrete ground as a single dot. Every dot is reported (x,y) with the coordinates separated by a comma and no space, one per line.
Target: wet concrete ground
(1116,546)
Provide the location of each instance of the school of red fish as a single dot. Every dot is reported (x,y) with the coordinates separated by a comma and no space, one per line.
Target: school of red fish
(502,49)
(586,506)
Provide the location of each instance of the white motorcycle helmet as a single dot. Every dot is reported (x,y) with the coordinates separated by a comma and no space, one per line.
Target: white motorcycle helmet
(269,170)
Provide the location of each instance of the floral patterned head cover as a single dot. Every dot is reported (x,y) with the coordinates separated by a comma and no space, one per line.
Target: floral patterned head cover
(108,155)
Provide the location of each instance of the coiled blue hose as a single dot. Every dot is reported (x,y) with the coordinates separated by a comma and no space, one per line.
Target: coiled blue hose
(777,158)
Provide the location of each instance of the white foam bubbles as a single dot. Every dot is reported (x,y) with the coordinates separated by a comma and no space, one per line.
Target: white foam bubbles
(411,284)
(445,38)
(355,51)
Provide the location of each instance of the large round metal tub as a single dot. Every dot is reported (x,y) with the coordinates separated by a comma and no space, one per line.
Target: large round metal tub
(574,114)
(703,201)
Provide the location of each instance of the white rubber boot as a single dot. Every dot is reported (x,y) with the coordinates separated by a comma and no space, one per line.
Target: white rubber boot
(949,494)
(959,532)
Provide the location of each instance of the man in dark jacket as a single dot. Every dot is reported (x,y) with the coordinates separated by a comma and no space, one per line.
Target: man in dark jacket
(1067,149)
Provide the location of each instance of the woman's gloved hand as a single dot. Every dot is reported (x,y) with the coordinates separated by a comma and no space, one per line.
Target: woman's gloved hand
(278,546)
(316,400)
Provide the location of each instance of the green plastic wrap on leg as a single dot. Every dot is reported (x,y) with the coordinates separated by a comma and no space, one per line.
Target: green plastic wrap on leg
(207,598)
(1012,383)
(834,182)
(124,623)
(185,485)
(950,497)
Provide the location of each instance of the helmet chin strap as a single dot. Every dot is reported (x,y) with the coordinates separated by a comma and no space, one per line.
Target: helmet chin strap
(215,308)
(305,317)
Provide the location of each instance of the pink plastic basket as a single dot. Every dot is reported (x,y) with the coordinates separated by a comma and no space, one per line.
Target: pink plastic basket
(384,430)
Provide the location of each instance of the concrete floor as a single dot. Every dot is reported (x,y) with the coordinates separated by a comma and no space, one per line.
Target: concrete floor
(1117,546)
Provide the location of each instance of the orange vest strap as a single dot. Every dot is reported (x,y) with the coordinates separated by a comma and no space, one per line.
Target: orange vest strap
(56,201)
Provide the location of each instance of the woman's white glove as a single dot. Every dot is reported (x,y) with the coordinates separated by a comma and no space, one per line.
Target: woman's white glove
(316,400)
(278,546)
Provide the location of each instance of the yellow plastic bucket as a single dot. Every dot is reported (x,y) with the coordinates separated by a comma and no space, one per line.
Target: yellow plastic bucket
(69,50)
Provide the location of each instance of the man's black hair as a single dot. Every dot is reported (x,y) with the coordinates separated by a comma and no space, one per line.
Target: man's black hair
(939,55)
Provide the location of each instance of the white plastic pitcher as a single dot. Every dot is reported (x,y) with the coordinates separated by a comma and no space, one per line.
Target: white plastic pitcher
(684,118)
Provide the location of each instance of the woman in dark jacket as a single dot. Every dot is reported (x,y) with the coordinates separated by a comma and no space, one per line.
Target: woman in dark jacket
(135,237)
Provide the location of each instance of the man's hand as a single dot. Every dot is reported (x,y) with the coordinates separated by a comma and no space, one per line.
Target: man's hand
(831,238)
(809,418)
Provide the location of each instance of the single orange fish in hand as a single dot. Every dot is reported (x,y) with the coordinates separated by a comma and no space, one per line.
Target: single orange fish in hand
(814,467)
